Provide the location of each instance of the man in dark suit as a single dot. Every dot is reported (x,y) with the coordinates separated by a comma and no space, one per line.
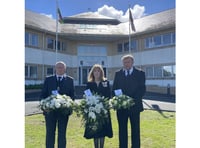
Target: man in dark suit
(131,81)
(62,84)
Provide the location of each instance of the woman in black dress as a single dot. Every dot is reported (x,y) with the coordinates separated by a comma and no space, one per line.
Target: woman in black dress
(97,83)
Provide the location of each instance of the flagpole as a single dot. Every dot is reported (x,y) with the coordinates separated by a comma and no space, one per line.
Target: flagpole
(56,28)
(129,33)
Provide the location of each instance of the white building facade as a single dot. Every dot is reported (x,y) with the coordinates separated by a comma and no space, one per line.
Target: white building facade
(86,39)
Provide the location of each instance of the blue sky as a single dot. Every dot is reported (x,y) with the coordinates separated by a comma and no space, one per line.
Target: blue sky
(112,8)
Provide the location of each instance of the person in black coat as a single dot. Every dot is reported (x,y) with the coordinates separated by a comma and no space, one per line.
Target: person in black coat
(97,83)
(131,82)
(62,84)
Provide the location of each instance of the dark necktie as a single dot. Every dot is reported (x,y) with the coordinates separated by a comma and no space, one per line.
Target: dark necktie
(59,79)
(58,82)
(128,72)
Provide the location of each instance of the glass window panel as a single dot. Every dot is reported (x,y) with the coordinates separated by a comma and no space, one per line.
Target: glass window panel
(167,39)
(157,40)
(50,71)
(119,47)
(26,38)
(174,70)
(149,42)
(167,71)
(58,45)
(82,26)
(158,71)
(64,46)
(173,37)
(149,72)
(26,71)
(133,45)
(84,75)
(50,43)
(34,40)
(126,46)
(33,71)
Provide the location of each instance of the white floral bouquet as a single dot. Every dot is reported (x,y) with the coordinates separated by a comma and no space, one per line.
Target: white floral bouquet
(62,103)
(94,111)
(121,102)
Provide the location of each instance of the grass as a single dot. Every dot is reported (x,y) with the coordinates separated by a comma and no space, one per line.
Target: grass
(157,131)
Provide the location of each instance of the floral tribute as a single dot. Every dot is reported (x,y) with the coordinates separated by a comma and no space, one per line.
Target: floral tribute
(62,103)
(121,102)
(94,111)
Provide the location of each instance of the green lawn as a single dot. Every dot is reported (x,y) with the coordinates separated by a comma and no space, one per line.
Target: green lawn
(157,131)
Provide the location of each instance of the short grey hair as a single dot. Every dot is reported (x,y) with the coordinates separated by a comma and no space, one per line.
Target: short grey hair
(127,56)
(61,62)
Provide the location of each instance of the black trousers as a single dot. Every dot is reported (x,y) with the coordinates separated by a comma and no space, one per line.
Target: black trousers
(54,119)
(122,116)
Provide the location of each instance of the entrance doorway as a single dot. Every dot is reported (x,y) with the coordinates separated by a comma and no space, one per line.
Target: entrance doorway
(83,74)
(88,55)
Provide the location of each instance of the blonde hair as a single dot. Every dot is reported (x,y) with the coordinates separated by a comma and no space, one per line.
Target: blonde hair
(91,75)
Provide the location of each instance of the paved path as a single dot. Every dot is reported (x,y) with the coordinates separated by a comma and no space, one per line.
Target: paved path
(159,105)
(31,106)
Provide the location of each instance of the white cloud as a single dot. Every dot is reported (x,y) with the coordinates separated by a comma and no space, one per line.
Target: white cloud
(137,12)
(48,15)
(110,11)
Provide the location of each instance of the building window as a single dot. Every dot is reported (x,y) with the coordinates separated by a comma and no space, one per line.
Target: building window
(174,70)
(34,40)
(173,38)
(158,71)
(50,43)
(50,71)
(157,40)
(27,38)
(167,71)
(33,71)
(167,39)
(58,45)
(26,71)
(64,46)
(87,26)
(160,40)
(31,39)
(149,72)
(149,42)
(133,45)
(119,47)
(126,46)
(30,71)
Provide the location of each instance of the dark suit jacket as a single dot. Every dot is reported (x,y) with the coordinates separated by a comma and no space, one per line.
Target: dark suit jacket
(66,86)
(133,86)
(103,89)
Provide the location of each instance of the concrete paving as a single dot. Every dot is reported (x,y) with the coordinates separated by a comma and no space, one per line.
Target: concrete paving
(159,105)
(32,108)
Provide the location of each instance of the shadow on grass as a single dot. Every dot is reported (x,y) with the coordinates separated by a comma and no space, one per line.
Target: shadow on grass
(155,107)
